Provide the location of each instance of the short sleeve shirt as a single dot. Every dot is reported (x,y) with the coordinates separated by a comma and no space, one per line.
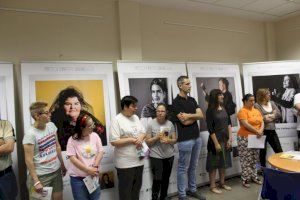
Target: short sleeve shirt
(6,133)
(186,105)
(159,150)
(45,157)
(85,150)
(125,127)
(253,117)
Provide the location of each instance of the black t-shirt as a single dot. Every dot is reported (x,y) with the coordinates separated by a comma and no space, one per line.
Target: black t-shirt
(185,105)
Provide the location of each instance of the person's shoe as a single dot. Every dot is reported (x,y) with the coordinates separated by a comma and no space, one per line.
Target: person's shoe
(183,198)
(196,195)
(215,190)
(257,181)
(225,187)
(246,184)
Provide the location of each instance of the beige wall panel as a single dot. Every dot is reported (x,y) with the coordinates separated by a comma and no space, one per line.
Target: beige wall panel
(34,36)
(287,39)
(236,40)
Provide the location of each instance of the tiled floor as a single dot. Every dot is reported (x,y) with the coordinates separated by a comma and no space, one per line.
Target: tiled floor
(238,192)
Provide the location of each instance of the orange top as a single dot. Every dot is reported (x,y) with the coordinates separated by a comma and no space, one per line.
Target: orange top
(253,117)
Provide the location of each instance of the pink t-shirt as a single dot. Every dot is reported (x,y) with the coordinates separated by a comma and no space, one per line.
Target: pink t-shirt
(85,151)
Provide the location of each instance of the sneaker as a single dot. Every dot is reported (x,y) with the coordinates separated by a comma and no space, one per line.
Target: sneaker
(216,190)
(226,187)
(196,195)
(183,198)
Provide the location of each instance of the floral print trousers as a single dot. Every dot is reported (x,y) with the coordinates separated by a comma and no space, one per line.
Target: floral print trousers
(249,159)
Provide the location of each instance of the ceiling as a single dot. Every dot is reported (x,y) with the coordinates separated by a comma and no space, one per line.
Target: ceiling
(262,10)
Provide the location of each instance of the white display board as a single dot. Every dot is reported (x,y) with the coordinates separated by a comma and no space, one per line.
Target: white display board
(43,81)
(204,78)
(135,79)
(282,78)
(7,103)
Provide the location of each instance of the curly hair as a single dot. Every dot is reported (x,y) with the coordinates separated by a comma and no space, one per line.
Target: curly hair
(62,121)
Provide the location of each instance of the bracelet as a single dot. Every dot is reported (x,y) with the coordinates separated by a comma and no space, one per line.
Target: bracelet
(38,182)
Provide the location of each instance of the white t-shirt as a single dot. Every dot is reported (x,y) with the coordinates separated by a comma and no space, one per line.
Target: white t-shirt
(124,127)
(296,101)
(45,157)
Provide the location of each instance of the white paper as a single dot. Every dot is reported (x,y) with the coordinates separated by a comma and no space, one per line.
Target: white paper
(256,143)
(91,183)
(46,194)
(294,155)
(145,148)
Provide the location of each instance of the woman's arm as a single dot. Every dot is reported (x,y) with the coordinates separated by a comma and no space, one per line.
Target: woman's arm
(216,142)
(249,127)
(89,170)
(124,142)
(98,158)
(58,151)
(151,140)
(230,134)
(29,153)
(171,140)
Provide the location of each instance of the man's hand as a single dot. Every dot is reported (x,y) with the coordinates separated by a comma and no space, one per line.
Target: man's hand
(183,116)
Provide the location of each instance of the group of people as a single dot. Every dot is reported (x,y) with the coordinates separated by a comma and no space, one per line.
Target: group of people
(129,137)
(69,125)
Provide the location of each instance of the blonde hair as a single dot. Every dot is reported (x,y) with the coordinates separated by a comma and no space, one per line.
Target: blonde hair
(261,94)
(36,108)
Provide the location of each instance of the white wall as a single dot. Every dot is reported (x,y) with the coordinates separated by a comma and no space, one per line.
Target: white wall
(287,39)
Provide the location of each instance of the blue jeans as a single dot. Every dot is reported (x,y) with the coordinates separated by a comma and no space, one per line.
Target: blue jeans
(8,186)
(80,191)
(187,163)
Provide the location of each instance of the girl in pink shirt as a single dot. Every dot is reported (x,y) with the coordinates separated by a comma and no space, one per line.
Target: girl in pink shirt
(85,151)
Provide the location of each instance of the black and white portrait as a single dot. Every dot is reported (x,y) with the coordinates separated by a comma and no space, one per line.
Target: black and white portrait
(283,89)
(149,92)
(226,85)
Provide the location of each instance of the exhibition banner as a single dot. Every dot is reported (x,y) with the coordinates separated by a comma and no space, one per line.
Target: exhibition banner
(87,87)
(151,83)
(204,78)
(282,79)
